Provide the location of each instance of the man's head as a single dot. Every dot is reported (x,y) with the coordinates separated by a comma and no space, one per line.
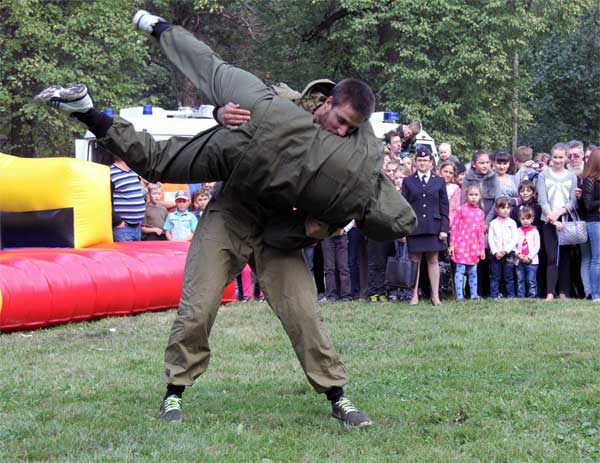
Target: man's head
(410,130)
(521,155)
(350,104)
(575,154)
(394,143)
(444,151)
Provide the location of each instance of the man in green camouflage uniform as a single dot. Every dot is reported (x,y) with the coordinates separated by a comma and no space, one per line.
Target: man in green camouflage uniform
(276,170)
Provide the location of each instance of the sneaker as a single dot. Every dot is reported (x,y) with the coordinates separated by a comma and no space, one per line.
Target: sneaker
(383,298)
(344,412)
(170,409)
(145,21)
(71,99)
(373,298)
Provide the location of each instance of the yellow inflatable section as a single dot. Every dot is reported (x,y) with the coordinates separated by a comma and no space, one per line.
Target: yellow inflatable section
(34,188)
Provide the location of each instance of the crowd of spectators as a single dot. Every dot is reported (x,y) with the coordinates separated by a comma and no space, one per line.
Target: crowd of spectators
(503,213)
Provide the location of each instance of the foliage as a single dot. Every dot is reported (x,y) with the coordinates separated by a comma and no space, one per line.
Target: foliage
(468,383)
(44,43)
(566,94)
(448,63)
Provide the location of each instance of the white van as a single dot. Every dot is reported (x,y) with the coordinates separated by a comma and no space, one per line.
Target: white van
(160,123)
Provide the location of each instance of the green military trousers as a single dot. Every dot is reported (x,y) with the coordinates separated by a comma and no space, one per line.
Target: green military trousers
(227,237)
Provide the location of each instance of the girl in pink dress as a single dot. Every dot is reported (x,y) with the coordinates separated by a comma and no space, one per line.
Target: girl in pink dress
(467,246)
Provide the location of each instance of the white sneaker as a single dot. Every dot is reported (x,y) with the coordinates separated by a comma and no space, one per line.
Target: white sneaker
(71,99)
(145,21)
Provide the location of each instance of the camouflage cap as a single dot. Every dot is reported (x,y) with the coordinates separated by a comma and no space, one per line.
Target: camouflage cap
(324,86)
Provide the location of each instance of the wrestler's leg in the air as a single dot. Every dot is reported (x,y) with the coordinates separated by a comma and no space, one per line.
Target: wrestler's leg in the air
(218,82)
(207,157)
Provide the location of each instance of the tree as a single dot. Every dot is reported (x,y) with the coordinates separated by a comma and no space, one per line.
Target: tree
(43,43)
(566,96)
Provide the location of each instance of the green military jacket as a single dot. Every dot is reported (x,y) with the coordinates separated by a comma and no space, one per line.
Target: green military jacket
(333,179)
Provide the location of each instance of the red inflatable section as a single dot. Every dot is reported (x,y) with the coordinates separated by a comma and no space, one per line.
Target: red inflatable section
(47,286)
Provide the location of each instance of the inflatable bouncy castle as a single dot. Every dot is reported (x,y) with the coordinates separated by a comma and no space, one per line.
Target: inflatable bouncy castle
(58,263)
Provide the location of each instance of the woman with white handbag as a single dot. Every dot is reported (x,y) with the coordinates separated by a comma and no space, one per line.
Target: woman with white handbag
(556,195)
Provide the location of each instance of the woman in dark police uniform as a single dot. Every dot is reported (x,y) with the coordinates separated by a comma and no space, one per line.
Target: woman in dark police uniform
(426,193)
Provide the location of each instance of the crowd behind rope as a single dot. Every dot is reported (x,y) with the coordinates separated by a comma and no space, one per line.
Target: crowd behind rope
(489,229)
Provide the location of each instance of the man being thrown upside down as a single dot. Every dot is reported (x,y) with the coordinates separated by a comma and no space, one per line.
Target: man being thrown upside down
(284,174)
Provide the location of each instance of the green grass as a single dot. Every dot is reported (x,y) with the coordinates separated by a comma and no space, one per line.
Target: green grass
(488,381)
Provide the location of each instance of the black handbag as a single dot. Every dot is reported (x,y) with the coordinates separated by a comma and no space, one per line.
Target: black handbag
(400,271)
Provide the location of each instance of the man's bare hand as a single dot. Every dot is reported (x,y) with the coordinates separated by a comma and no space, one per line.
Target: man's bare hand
(315,229)
(231,116)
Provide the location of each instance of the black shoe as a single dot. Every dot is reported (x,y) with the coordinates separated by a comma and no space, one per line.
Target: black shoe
(344,412)
(170,409)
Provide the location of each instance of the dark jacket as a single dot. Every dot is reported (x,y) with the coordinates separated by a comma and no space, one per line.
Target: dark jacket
(591,199)
(430,204)
(537,213)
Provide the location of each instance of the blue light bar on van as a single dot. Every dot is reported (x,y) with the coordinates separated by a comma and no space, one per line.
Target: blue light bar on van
(147,110)
(109,112)
(391,117)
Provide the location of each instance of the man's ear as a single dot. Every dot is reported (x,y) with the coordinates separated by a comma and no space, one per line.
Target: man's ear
(329,102)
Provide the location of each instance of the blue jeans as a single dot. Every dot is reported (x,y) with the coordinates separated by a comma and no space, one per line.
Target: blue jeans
(502,268)
(127,233)
(594,237)
(459,280)
(527,273)
(309,255)
(586,262)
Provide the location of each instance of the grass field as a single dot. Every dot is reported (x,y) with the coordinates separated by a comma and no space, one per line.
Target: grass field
(487,381)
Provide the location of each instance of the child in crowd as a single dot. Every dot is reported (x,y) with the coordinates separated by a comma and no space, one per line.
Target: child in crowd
(467,245)
(155,216)
(459,177)
(200,199)
(181,223)
(528,247)
(507,186)
(527,198)
(447,170)
(409,163)
(445,153)
(502,238)
(401,173)
(481,174)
